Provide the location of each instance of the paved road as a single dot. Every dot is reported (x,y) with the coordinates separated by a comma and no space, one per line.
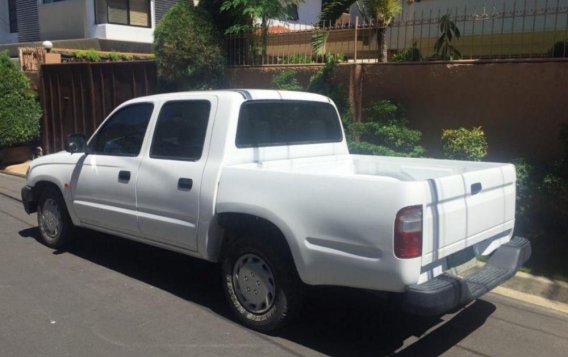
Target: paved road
(111,297)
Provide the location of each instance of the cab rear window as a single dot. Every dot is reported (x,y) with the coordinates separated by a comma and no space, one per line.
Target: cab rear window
(286,122)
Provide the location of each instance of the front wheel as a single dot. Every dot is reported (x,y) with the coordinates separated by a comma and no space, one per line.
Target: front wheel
(261,284)
(54,223)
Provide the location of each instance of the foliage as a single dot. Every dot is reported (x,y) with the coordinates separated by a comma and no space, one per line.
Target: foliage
(225,19)
(88,55)
(298,58)
(559,49)
(444,47)
(19,110)
(383,11)
(333,9)
(385,131)
(464,144)
(188,49)
(408,54)
(322,82)
(286,80)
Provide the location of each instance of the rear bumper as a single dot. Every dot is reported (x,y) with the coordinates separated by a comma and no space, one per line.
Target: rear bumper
(445,292)
(28,199)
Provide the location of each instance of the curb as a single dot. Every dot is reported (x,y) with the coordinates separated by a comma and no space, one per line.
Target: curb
(12,173)
(554,290)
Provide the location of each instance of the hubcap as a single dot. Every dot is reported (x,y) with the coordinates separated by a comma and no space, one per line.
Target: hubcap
(51,218)
(254,283)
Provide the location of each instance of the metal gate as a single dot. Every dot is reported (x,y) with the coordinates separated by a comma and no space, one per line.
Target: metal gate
(76,97)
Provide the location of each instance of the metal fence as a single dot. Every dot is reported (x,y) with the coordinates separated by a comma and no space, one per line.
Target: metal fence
(513,29)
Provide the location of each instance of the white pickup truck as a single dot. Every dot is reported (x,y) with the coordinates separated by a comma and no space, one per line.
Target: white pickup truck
(263,183)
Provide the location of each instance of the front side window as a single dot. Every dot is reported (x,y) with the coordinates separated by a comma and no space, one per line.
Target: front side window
(287,122)
(123,133)
(180,130)
(123,12)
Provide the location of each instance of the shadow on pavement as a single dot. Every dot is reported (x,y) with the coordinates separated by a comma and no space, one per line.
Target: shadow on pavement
(334,321)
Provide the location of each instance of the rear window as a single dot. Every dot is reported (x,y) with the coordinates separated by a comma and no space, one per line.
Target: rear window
(273,123)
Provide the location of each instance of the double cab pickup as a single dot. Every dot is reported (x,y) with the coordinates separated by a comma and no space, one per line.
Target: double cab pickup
(263,183)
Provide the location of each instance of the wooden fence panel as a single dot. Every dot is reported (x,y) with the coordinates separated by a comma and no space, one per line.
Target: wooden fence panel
(76,97)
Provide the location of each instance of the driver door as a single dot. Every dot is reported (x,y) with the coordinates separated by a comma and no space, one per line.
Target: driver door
(104,194)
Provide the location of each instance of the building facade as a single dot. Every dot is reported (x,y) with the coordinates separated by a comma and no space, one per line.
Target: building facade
(24,21)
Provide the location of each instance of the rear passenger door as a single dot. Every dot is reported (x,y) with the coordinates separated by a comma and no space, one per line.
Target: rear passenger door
(169,184)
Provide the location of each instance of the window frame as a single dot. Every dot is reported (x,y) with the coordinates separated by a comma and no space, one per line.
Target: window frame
(177,158)
(149,7)
(307,142)
(92,140)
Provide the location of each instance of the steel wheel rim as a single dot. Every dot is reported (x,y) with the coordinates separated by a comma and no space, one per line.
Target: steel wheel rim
(254,283)
(51,218)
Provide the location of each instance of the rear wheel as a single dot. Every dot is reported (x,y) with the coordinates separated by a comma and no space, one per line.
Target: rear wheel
(54,223)
(261,283)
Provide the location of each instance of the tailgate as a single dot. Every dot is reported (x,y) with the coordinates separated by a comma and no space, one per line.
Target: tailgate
(469,208)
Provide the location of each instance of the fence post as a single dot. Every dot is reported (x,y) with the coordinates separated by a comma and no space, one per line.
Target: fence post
(355,46)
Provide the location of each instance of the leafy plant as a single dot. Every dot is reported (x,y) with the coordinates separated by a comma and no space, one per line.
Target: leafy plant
(444,47)
(88,55)
(296,59)
(115,57)
(322,82)
(408,54)
(385,131)
(188,49)
(559,49)
(19,110)
(286,80)
(383,12)
(464,144)
(257,10)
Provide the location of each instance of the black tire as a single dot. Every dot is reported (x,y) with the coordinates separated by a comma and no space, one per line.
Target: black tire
(287,287)
(53,219)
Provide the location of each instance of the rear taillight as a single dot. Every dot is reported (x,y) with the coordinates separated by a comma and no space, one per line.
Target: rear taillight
(408,232)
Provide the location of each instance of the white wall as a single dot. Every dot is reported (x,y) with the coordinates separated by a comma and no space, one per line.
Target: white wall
(118,32)
(5,35)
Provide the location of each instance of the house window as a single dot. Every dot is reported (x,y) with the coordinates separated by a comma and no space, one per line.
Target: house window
(12,16)
(123,12)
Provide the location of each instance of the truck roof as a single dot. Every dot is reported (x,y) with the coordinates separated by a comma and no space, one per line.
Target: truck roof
(246,94)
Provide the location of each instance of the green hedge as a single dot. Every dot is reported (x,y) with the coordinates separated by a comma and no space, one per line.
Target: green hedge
(19,110)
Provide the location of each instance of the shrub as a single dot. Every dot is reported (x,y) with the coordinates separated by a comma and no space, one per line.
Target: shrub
(464,144)
(412,54)
(559,49)
(296,59)
(286,80)
(19,110)
(385,131)
(322,83)
(88,55)
(188,49)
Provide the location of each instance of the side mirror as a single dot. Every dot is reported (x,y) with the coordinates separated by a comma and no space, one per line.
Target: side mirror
(75,143)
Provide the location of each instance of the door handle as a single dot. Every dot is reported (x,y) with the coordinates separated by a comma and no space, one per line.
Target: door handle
(185,184)
(124,176)
(476,188)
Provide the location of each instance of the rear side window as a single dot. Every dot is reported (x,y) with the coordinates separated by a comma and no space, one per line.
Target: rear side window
(123,133)
(180,130)
(286,122)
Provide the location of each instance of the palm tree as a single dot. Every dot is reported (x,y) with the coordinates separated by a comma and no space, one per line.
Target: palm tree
(383,12)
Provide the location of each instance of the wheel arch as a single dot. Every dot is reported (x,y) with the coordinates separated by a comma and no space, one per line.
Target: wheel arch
(229,225)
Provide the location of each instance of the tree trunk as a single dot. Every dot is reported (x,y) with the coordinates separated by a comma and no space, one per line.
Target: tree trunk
(264,38)
(382,44)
